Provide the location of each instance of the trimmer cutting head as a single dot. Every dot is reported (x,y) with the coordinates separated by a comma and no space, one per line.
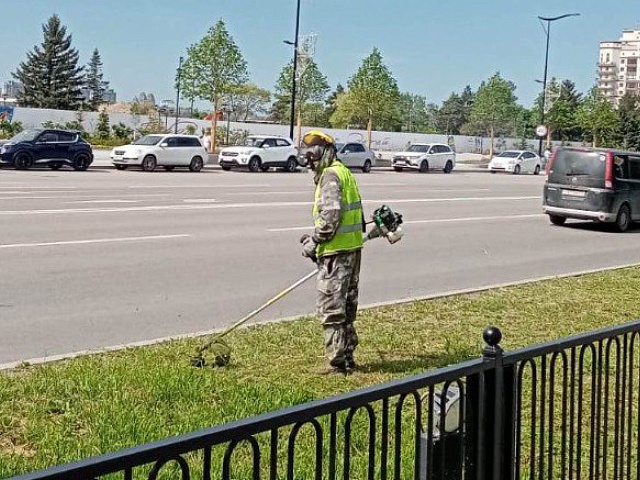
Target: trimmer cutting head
(221,355)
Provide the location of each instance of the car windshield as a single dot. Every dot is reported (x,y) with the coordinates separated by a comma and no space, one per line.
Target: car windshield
(251,142)
(25,136)
(148,140)
(339,146)
(509,154)
(418,148)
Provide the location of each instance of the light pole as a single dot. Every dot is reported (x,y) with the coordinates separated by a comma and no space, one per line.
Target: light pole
(546,64)
(175,129)
(295,70)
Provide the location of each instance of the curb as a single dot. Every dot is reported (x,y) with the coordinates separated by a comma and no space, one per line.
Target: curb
(186,336)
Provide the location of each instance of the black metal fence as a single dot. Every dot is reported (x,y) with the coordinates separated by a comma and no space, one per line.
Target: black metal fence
(567,409)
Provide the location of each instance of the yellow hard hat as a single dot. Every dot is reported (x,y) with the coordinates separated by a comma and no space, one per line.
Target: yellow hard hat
(316,137)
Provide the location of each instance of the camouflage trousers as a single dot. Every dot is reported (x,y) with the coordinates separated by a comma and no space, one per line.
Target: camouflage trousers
(337,304)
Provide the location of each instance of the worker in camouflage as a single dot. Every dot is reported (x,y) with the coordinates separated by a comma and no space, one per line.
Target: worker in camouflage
(336,246)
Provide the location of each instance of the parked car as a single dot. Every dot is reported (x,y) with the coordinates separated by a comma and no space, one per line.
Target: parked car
(261,152)
(356,155)
(424,157)
(602,185)
(516,161)
(47,147)
(168,151)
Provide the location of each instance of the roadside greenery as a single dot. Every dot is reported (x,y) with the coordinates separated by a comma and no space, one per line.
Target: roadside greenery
(78,408)
(215,71)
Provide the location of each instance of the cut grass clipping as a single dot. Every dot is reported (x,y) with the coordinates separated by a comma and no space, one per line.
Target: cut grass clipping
(69,410)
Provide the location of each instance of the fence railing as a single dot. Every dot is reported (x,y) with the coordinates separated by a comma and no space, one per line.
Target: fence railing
(567,409)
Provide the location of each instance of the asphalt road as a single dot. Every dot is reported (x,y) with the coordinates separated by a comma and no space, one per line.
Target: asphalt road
(100,258)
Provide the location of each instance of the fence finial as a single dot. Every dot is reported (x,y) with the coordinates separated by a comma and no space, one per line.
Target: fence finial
(492,337)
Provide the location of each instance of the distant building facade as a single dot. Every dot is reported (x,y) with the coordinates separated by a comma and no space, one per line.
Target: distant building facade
(618,67)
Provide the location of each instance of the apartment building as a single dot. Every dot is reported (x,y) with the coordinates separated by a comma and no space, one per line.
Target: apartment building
(618,68)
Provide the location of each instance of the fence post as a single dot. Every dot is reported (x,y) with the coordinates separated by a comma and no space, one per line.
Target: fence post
(490,418)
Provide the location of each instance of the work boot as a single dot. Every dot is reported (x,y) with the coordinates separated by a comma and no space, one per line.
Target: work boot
(350,364)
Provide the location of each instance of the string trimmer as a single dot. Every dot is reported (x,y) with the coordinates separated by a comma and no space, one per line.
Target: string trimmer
(386,224)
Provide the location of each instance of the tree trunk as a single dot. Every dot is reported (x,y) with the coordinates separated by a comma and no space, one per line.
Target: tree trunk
(491,133)
(369,128)
(297,140)
(214,125)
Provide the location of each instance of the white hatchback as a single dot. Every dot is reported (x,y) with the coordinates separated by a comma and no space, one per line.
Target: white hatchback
(356,155)
(168,151)
(515,161)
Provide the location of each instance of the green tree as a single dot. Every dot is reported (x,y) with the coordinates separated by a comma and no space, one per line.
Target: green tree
(494,109)
(454,112)
(416,114)
(103,130)
(599,120)
(372,98)
(311,87)
(214,67)
(562,101)
(629,122)
(94,80)
(247,100)
(50,76)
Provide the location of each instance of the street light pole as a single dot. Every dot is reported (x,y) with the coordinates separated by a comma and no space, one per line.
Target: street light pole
(546,65)
(175,130)
(295,71)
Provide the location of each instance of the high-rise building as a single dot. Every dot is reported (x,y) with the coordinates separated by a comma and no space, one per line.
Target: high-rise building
(12,89)
(618,68)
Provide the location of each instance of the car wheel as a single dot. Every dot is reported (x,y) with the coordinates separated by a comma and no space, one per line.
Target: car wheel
(366,168)
(196,164)
(169,168)
(291,165)
(516,170)
(264,168)
(226,168)
(424,167)
(397,169)
(557,219)
(536,171)
(121,167)
(493,171)
(448,168)
(149,163)
(623,220)
(55,166)
(254,164)
(22,161)
(81,162)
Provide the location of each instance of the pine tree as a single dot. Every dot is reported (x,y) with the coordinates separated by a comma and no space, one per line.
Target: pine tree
(94,81)
(50,76)
(103,129)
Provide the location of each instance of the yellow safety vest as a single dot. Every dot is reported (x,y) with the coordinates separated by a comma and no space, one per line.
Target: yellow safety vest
(348,237)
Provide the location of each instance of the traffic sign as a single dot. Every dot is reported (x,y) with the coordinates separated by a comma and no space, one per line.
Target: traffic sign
(541,130)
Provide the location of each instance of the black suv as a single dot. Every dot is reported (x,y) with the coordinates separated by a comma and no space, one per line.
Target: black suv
(47,147)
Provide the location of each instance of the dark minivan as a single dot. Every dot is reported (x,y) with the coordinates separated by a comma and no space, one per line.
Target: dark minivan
(602,185)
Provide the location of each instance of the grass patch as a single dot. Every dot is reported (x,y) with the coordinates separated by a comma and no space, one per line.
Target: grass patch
(74,409)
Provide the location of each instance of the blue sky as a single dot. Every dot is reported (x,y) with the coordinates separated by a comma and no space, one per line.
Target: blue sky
(432,48)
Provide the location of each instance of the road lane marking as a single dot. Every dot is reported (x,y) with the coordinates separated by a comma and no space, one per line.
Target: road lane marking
(96,240)
(199,200)
(258,185)
(102,201)
(254,205)
(435,220)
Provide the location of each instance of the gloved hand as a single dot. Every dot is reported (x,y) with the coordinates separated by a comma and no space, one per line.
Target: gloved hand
(309,247)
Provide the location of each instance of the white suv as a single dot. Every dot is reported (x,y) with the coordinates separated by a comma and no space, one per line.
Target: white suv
(168,151)
(424,157)
(261,152)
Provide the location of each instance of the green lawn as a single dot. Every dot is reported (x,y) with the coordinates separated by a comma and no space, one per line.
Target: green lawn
(65,411)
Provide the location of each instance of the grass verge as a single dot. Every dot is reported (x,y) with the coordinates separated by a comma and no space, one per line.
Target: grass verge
(68,410)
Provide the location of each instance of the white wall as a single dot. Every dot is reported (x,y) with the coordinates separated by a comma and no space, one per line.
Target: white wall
(381,141)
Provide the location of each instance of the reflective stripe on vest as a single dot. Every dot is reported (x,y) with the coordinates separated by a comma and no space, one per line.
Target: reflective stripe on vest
(348,236)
